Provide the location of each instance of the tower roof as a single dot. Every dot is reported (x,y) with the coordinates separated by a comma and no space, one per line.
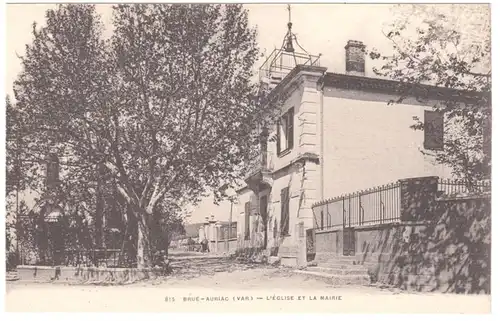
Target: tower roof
(284,59)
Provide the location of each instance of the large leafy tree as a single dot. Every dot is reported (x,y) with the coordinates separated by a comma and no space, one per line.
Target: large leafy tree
(432,47)
(165,107)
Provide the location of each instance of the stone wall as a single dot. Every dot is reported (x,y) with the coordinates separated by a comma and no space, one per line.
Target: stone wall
(450,252)
(227,247)
(328,244)
(418,198)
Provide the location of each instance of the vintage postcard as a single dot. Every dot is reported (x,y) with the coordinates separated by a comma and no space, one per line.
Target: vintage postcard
(290,158)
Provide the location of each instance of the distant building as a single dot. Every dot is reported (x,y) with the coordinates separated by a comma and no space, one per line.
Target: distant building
(45,217)
(218,234)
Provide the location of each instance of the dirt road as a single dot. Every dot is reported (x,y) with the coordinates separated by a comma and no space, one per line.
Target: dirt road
(220,285)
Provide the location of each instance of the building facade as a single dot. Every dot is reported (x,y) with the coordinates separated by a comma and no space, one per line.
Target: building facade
(336,134)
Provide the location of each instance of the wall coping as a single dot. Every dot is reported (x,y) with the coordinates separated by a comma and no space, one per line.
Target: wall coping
(392,224)
(231,239)
(451,198)
(329,230)
(418,178)
(374,227)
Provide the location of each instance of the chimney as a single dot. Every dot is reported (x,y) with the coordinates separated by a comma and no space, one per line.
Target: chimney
(355,58)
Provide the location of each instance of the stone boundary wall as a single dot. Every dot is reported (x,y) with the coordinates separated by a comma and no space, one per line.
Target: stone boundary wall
(86,274)
(450,252)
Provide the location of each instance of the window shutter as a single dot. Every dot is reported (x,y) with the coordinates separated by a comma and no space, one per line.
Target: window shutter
(290,129)
(247,220)
(285,215)
(278,137)
(433,130)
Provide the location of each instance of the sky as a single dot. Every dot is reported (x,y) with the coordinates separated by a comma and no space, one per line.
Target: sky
(320,28)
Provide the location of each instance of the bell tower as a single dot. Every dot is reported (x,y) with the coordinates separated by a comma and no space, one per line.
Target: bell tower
(283,60)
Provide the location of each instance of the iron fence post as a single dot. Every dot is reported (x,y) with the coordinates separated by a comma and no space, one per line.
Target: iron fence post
(343,212)
(349,212)
(381,210)
(360,209)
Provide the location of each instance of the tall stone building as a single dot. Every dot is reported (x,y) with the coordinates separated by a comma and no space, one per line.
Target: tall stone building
(335,134)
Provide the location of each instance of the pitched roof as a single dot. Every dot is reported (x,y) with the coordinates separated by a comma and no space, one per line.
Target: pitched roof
(381,85)
(394,87)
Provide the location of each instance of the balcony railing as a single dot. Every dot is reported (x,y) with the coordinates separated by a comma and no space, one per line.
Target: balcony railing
(280,62)
(261,162)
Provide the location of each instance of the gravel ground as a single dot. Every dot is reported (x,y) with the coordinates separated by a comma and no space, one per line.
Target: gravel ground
(213,274)
(262,289)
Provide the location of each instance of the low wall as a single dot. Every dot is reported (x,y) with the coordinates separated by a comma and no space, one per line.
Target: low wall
(289,255)
(328,244)
(86,274)
(228,246)
(450,253)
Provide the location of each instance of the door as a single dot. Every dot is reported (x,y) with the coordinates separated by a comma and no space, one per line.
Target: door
(263,216)
(310,244)
(349,242)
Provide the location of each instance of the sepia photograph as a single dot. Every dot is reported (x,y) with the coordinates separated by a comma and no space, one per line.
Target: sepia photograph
(230,157)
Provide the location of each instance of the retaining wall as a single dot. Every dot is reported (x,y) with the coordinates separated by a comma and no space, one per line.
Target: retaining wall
(448,253)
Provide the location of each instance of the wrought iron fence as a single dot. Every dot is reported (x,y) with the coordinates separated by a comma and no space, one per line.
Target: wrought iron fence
(228,233)
(93,258)
(260,161)
(455,187)
(380,205)
(377,205)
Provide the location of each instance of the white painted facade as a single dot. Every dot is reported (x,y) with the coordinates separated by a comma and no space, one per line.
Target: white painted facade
(367,142)
(345,140)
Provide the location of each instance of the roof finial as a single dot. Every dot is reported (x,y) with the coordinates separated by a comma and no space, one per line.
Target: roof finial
(289,8)
(289,36)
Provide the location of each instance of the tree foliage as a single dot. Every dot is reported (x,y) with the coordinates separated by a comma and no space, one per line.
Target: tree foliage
(432,48)
(164,108)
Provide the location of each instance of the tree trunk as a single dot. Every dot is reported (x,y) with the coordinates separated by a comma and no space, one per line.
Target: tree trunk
(132,226)
(141,260)
(144,255)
